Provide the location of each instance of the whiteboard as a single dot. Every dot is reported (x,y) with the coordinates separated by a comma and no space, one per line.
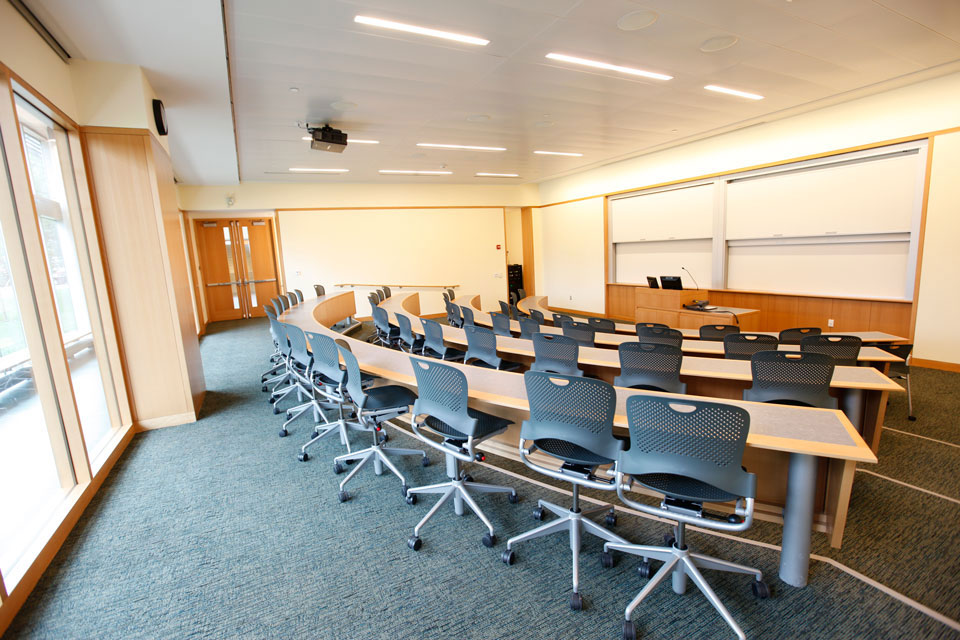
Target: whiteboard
(862,197)
(681,213)
(637,260)
(867,269)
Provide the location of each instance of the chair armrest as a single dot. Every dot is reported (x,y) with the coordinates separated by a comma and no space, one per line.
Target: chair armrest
(744,508)
(602,485)
(466,454)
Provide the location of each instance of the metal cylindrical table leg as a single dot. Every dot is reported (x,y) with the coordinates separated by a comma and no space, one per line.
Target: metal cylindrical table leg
(798,519)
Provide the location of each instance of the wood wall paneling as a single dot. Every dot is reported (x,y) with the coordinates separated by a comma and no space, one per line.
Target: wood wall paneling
(526,229)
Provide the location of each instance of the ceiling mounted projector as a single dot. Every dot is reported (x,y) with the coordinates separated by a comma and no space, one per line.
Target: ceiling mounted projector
(326,138)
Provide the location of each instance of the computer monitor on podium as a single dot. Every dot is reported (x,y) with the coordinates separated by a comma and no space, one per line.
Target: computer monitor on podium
(671,282)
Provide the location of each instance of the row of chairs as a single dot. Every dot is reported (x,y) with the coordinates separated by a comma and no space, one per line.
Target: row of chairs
(571,420)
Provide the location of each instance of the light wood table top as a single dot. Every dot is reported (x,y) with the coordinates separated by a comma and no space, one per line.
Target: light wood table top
(817,432)
(540,304)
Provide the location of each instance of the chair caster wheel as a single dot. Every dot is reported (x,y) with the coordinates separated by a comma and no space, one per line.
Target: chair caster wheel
(425,461)
(276,410)
(645,570)
(606,560)
(414,542)
(272,400)
(508,557)
(411,498)
(263,388)
(629,631)
(289,415)
(337,467)
(760,589)
(537,513)
(514,498)
(576,602)
(467,477)
(343,496)
(383,438)
(303,457)
(489,540)
(611,519)
(284,433)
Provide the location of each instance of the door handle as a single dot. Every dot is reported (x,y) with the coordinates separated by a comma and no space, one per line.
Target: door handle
(259,281)
(222,284)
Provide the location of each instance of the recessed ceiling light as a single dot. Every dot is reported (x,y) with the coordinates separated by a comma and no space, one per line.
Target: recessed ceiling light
(497,175)
(423,31)
(478,117)
(719,43)
(468,147)
(610,67)
(558,153)
(405,172)
(294,89)
(637,20)
(733,92)
(312,170)
(349,141)
(343,106)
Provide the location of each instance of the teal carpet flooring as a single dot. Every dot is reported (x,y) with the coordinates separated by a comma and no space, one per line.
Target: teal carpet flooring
(215,530)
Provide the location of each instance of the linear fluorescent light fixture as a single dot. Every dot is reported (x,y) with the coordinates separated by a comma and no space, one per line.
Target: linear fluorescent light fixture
(497,175)
(311,170)
(609,67)
(558,153)
(351,140)
(405,172)
(468,147)
(423,31)
(733,92)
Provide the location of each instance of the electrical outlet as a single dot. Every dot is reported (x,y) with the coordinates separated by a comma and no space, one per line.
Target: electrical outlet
(299,273)
(571,297)
(830,323)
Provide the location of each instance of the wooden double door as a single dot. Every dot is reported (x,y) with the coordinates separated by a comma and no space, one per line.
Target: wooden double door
(238,267)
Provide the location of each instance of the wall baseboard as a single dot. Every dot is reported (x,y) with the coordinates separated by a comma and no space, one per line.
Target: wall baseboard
(936,364)
(166,421)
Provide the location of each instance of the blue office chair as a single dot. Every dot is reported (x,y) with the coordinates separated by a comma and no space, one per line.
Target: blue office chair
(276,374)
(654,367)
(556,354)
(717,332)
(691,452)
(528,327)
(901,370)
(605,325)
(319,290)
(660,335)
(387,334)
(791,377)
(453,315)
(843,349)
(538,317)
(571,419)
(560,318)
(406,337)
(374,406)
(482,349)
(504,308)
(742,346)
(277,306)
(650,325)
(501,324)
(299,295)
(797,334)
(433,345)
(299,365)
(441,410)
(468,320)
(583,332)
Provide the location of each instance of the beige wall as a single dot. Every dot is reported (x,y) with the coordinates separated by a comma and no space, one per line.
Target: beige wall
(324,194)
(514,231)
(397,246)
(938,307)
(569,254)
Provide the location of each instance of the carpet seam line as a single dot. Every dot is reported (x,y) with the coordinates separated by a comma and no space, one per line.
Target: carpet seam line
(909,486)
(917,435)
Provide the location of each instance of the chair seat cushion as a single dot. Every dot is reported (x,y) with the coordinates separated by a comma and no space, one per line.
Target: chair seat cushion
(487,425)
(452,354)
(572,453)
(683,487)
(388,397)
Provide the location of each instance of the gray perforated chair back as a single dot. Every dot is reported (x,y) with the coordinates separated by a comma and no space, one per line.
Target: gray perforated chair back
(292,298)
(381,320)
(514,312)
(406,330)
(902,351)
(354,383)
(660,335)
(521,293)
(716,332)
(571,418)
(284,303)
(451,294)
(326,357)
(446,297)
(560,318)
(792,377)
(513,297)
(688,449)
(386,291)
(298,345)
(843,349)
(556,354)
(279,335)
(267,309)
(442,394)
(797,334)
(482,345)
(380,295)
(583,332)
(501,324)
(538,316)
(373,300)
(603,324)
(504,307)
(299,295)
(655,367)
(454,318)
(742,346)
(467,316)
(528,327)
(433,335)
(650,325)
(319,290)
(277,305)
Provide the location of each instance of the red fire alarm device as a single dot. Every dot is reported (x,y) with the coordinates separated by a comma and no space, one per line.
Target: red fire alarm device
(498,247)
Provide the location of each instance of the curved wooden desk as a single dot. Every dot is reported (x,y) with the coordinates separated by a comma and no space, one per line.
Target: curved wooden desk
(861,391)
(780,436)
(540,304)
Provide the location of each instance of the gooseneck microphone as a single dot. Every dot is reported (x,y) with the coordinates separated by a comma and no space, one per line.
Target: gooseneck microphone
(691,277)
